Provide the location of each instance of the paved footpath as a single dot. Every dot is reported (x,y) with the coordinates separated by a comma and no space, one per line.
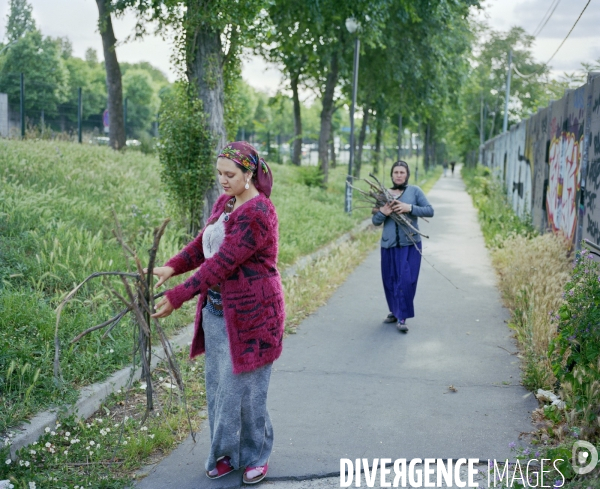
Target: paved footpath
(349,386)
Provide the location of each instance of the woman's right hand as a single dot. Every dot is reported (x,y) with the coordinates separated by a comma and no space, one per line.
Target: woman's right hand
(163,273)
(387,209)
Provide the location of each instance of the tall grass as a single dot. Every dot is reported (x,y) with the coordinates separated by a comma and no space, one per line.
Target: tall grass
(532,273)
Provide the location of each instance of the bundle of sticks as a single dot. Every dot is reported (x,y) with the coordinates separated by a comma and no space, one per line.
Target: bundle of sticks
(378,196)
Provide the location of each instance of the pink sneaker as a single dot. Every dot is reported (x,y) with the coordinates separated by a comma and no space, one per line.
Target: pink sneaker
(253,475)
(223,468)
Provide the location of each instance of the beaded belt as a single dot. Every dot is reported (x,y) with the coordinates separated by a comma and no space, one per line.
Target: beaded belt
(214,302)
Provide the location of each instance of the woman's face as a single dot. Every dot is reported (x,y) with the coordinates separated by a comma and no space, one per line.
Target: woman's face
(399,175)
(231,177)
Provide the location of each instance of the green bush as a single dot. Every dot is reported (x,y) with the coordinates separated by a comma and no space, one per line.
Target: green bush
(186,154)
(311,176)
(496,216)
(575,351)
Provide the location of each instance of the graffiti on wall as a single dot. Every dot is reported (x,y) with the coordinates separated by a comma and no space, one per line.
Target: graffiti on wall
(550,165)
(566,150)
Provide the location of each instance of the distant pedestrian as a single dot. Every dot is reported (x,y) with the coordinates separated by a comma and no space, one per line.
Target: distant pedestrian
(240,315)
(452,163)
(401,246)
(445,167)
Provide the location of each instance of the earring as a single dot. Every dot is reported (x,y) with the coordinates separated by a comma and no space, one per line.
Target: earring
(247,186)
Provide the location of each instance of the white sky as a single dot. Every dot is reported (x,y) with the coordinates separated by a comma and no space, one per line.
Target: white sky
(77,20)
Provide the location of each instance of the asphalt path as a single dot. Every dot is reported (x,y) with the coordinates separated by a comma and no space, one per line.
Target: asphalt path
(349,386)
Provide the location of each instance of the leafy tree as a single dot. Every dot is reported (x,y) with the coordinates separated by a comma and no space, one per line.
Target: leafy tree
(91,56)
(485,88)
(46,77)
(20,20)
(209,36)
(141,100)
(186,153)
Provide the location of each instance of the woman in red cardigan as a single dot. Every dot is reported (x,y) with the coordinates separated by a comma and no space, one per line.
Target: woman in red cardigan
(240,314)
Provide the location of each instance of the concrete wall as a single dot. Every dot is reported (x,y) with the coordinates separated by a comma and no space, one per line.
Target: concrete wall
(550,165)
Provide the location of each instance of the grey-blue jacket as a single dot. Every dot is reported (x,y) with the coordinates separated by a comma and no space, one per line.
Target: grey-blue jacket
(420,208)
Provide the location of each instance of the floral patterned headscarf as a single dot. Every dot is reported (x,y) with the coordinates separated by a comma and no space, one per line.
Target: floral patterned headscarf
(245,155)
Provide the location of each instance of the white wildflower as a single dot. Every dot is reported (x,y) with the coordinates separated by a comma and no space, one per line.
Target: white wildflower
(32,485)
(27,464)
(124,442)
(32,452)
(52,433)
(66,452)
(92,443)
(144,428)
(48,444)
(47,430)
(68,433)
(151,436)
(8,461)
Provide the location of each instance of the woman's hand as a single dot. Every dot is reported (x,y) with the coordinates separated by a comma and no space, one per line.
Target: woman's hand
(164,307)
(163,273)
(402,207)
(387,209)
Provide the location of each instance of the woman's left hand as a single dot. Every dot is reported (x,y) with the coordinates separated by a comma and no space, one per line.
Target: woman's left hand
(163,308)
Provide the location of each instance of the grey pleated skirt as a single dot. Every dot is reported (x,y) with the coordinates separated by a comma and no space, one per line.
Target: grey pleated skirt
(239,422)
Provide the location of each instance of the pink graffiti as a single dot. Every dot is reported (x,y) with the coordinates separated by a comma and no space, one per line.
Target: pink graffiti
(553,197)
(561,202)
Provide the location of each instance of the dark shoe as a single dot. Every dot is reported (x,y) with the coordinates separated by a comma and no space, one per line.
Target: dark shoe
(402,326)
(390,318)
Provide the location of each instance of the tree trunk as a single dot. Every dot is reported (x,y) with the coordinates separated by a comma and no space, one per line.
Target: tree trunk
(400,129)
(205,71)
(114,87)
(361,141)
(297,146)
(332,152)
(426,152)
(327,115)
(378,138)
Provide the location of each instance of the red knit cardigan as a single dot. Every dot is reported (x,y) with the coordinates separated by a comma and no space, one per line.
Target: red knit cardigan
(246,268)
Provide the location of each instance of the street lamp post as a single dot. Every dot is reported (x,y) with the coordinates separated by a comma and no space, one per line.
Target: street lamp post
(352,25)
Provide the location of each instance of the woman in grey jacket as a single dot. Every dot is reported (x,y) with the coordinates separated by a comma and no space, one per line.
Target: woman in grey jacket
(401,246)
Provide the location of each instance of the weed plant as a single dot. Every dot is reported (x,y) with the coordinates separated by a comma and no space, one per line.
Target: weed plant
(498,220)
(575,350)
(532,273)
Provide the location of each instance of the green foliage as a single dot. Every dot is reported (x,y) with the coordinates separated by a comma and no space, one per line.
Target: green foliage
(498,220)
(20,20)
(46,77)
(575,351)
(311,176)
(186,154)
(141,101)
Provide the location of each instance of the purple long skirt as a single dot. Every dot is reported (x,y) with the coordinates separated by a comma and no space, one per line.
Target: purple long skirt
(400,267)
